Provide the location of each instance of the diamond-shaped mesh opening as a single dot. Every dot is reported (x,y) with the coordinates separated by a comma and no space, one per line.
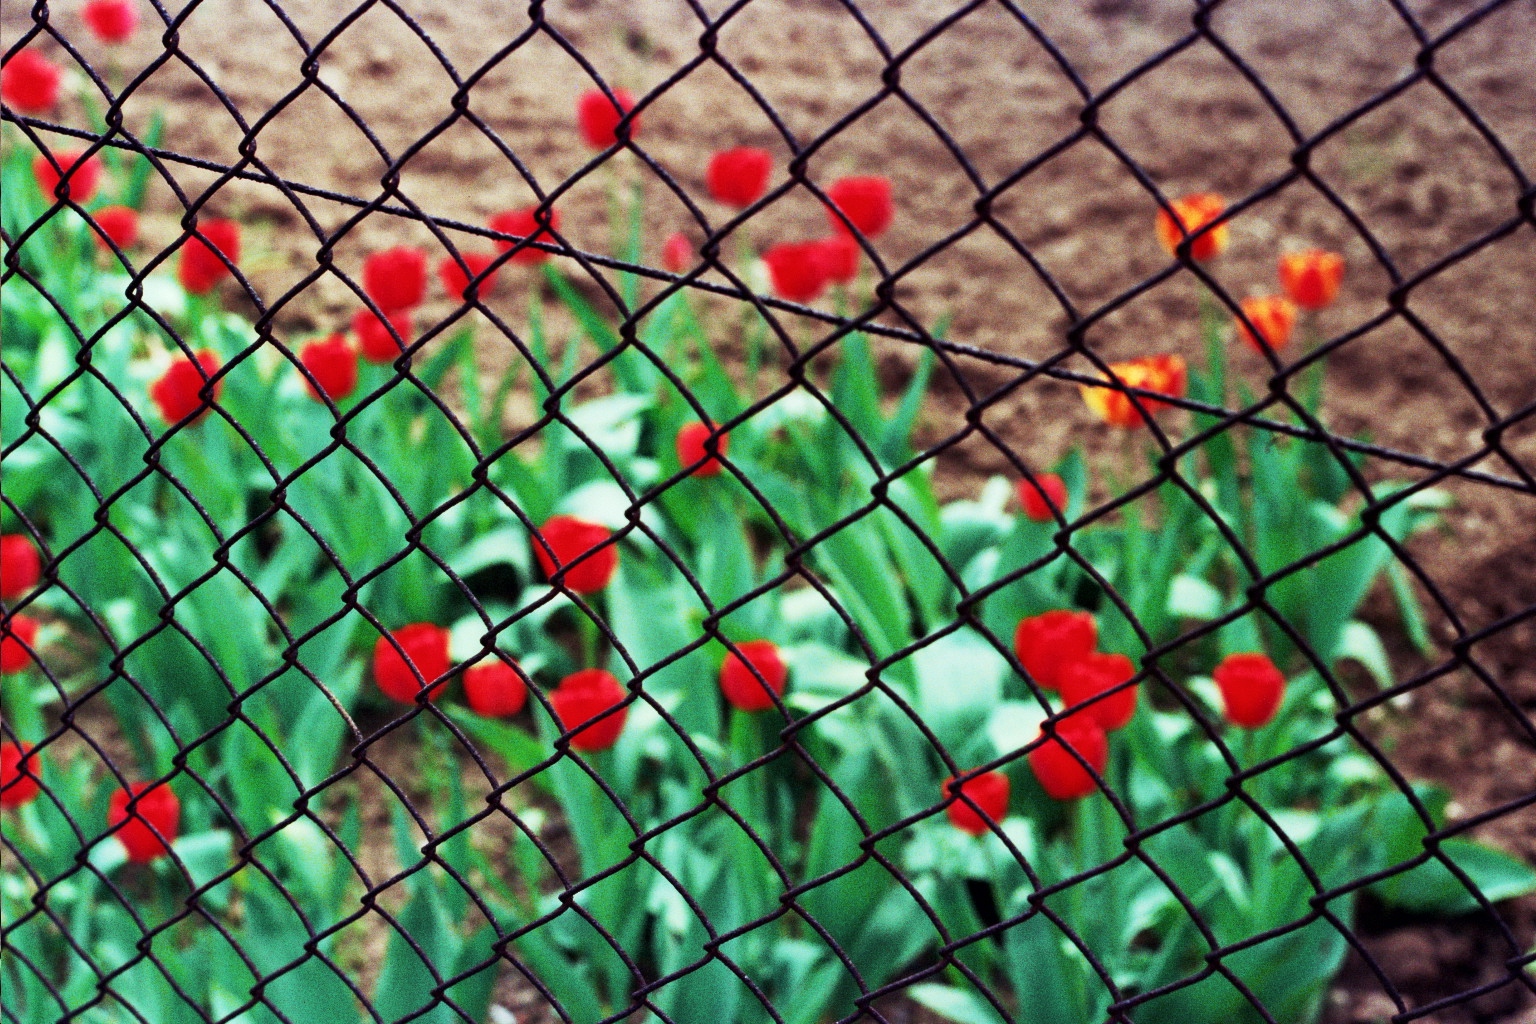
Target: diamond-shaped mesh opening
(970,621)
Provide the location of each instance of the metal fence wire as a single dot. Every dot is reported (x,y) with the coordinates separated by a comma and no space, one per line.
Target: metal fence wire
(651,646)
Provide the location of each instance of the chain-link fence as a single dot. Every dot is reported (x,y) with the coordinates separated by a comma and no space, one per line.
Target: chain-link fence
(905,512)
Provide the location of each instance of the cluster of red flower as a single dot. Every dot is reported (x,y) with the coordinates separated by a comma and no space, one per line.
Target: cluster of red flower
(1058,650)
(151,824)
(20,570)
(145,819)
(30,82)
(591,704)
(738,177)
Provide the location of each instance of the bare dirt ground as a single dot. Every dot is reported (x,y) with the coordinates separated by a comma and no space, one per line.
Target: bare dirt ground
(1431,381)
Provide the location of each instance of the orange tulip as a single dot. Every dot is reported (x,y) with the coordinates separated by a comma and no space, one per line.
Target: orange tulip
(1163,374)
(1194,212)
(1311,277)
(1273,316)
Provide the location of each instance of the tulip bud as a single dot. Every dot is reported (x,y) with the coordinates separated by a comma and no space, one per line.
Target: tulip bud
(988,791)
(150,825)
(585,696)
(524,224)
(396,279)
(20,565)
(798,270)
(866,202)
(17,635)
(495,689)
(111,21)
(373,337)
(1081,681)
(1043,497)
(1056,763)
(749,690)
(1312,277)
(1252,689)
(201,268)
(840,258)
(739,177)
(599,118)
(677,253)
(456,281)
(18,781)
(1046,644)
(178,392)
(30,82)
(333,364)
(570,539)
(424,664)
(84,174)
(691,450)
(1193,212)
(119,224)
(1273,316)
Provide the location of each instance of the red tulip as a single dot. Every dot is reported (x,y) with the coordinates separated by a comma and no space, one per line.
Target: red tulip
(119,224)
(425,662)
(396,279)
(798,270)
(333,364)
(739,177)
(1193,212)
(524,224)
(178,393)
(840,258)
(1047,644)
(18,787)
(1273,315)
(677,253)
(150,826)
(691,449)
(456,281)
(1081,681)
(20,635)
(1312,277)
(599,118)
(1252,689)
(112,21)
(1058,771)
(571,538)
(20,565)
(866,202)
(373,337)
(494,689)
(744,689)
(583,696)
(988,791)
(1043,497)
(83,182)
(201,268)
(30,82)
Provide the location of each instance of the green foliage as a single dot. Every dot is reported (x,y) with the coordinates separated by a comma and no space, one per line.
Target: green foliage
(221,585)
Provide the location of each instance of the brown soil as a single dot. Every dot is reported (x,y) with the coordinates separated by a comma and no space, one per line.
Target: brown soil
(1415,170)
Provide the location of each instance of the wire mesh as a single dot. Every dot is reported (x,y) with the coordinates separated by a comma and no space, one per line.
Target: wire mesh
(376,858)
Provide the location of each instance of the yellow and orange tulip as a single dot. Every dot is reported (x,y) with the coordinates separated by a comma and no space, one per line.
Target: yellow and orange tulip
(1312,277)
(1164,374)
(1273,316)
(1194,212)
